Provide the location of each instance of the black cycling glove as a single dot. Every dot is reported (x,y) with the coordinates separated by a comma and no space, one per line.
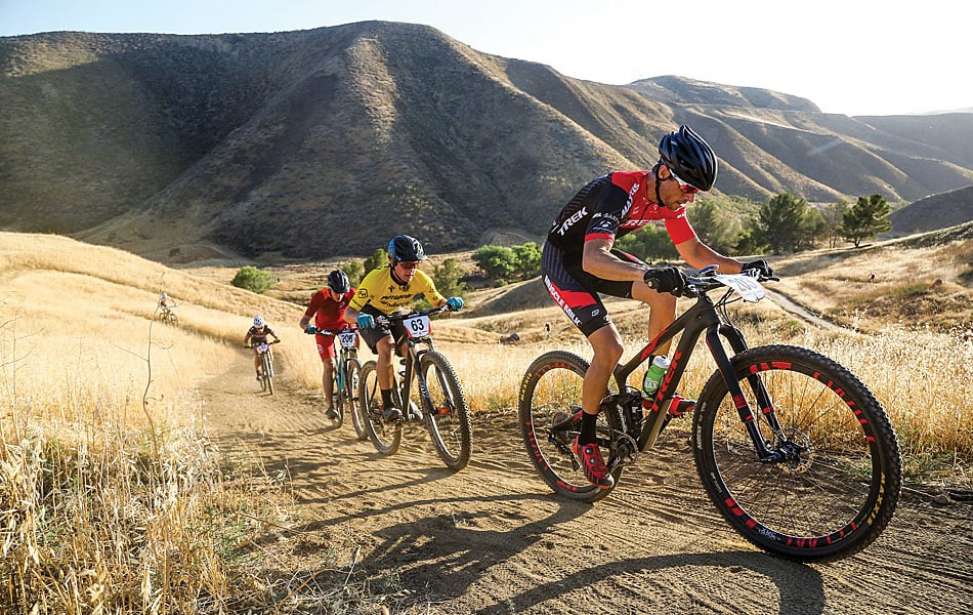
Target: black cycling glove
(760,266)
(665,280)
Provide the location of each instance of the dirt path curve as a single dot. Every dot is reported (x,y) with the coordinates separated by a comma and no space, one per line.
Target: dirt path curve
(793,308)
(491,539)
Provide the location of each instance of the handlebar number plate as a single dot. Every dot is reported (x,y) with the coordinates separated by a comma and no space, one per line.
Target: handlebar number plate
(417,327)
(263,347)
(347,340)
(749,289)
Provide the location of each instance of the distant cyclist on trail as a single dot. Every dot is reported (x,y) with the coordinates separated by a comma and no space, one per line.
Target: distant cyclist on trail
(327,307)
(578,262)
(256,335)
(384,291)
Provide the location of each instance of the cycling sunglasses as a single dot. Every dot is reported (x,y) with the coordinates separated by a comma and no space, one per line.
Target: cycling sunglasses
(686,187)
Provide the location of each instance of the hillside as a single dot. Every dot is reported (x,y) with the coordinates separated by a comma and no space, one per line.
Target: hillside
(293,144)
(933,212)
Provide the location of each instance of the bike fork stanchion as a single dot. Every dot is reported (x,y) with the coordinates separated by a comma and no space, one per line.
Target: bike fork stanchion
(733,385)
(738,343)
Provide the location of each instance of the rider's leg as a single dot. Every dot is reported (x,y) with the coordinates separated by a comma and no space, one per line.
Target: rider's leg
(327,381)
(256,361)
(607,347)
(662,312)
(384,372)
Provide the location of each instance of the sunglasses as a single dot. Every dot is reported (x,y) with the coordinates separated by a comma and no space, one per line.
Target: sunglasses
(409,265)
(686,187)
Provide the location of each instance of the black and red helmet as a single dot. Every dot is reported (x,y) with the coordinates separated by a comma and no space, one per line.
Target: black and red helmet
(689,157)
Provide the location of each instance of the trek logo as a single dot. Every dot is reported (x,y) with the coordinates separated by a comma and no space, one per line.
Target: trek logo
(567,224)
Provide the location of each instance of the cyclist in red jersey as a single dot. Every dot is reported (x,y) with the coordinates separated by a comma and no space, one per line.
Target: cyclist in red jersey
(328,306)
(579,262)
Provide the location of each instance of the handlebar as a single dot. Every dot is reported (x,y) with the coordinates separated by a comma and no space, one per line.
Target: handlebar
(250,345)
(329,332)
(401,317)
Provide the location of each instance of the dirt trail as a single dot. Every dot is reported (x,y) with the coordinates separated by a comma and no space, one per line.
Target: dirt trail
(491,539)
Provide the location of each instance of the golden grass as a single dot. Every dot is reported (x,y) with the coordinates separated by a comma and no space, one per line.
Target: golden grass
(109,504)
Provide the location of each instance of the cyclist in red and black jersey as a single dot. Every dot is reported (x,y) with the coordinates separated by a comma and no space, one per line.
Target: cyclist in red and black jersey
(256,335)
(579,262)
(327,306)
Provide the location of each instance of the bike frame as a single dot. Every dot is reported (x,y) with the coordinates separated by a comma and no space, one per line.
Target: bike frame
(699,319)
(341,357)
(412,361)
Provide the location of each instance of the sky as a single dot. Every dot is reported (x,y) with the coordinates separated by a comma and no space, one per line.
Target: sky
(852,57)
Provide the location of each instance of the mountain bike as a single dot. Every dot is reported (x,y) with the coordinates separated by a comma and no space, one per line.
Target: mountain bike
(443,405)
(792,448)
(168,316)
(266,375)
(347,371)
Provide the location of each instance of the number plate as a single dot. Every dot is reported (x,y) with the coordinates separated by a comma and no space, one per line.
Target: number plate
(263,347)
(347,339)
(750,289)
(417,327)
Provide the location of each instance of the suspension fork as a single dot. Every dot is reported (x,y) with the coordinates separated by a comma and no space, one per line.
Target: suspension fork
(733,386)
(739,344)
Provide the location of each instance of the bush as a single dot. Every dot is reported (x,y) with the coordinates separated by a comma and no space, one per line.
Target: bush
(355,271)
(252,279)
(379,258)
(865,219)
(502,264)
(447,278)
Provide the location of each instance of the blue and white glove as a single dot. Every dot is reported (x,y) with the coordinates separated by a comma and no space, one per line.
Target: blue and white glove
(311,330)
(366,321)
(455,304)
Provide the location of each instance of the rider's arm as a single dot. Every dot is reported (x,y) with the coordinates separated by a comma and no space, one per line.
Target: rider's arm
(699,255)
(312,307)
(351,316)
(246,340)
(428,289)
(598,260)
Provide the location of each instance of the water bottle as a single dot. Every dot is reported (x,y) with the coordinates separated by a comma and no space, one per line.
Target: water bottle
(653,375)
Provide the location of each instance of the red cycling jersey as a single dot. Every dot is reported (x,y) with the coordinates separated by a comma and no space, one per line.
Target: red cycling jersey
(328,313)
(611,206)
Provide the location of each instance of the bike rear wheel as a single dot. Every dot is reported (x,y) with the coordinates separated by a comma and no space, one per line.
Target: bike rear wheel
(385,437)
(447,415)
(550,398)
(838,487)
(352,380)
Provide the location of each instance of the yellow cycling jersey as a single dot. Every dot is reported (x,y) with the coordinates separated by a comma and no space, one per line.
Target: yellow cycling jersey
(380,291)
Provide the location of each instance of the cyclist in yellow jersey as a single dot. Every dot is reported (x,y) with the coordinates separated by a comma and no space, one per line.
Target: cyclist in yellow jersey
(385,291)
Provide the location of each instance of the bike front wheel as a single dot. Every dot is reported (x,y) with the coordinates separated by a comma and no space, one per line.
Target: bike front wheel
(834,485)
(352,380)
(447,415)
(268,368)
(385,437)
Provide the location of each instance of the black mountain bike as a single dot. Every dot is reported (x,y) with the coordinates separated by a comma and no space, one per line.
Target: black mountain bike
(444,410)
(266,366)
(794,451)
(347,371)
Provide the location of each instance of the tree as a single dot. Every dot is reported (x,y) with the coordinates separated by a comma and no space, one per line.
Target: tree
(785,223)
(651,243)
(448,278)
(715,225)
(833,214)
(866,218)
(355,271)
(252,279)
(379,258)
(528,256)
(499,263)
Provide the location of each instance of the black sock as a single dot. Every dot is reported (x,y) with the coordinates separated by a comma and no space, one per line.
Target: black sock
(588,422)
(386,399)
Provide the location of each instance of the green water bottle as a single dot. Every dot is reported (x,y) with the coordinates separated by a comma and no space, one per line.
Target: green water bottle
(653,375)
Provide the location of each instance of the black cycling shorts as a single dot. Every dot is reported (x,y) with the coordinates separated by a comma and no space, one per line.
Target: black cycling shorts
(372,336)
(576,292)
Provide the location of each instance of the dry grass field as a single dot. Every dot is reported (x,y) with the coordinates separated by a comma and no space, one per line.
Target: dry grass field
(115,497)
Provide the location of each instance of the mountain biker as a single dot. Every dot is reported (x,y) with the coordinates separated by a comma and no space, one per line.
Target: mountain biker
(578,262)
(387,290)
(328,306)
(256,335)
(165,302)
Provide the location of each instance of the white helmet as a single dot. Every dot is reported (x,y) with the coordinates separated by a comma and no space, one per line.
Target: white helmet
(258,321)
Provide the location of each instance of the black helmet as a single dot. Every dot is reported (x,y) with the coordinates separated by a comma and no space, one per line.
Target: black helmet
(689,157)
(405,248)
(338,281)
